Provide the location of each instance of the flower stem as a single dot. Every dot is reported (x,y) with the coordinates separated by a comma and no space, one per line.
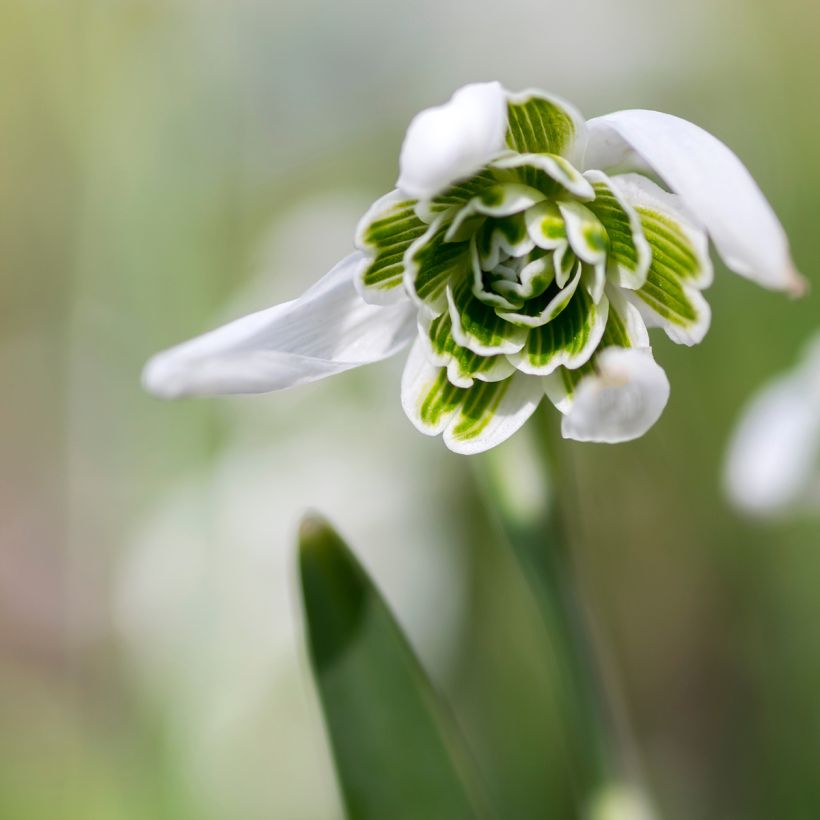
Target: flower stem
(538,517)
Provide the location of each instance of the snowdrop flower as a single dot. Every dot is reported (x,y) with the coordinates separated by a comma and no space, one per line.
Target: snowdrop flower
(524,252)
(773,461)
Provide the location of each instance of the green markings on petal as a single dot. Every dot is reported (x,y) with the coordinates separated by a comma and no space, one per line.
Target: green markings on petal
(430,263)
(549,173)
(585,232)
(680,265)
(472,418)
(546,225)
(667,293)
(546,306)
(428,397)
(569,339)
(540,125)
(491,412)
(477,326)
(456,195)
(624,328)
(463,365)
(629,252)
(385,233)
(477,409)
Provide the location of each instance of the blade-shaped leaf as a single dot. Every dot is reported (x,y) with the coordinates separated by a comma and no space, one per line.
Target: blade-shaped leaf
(397,754)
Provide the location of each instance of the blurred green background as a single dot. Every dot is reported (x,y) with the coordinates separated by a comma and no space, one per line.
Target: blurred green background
(166,165)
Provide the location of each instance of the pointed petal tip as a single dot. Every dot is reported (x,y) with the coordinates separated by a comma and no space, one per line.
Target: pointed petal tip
(797,286)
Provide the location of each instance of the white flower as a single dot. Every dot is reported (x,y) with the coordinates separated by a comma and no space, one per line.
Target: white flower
(521,243)
(773,461)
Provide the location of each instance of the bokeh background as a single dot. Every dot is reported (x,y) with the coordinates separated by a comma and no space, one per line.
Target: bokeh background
(167,164)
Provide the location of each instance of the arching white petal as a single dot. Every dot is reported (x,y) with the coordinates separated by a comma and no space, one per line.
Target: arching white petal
(620,401)
(452,141)
(713,182)
(772,461)
(325,331)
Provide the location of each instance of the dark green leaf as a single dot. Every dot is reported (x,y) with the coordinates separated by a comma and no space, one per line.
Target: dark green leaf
(397,754)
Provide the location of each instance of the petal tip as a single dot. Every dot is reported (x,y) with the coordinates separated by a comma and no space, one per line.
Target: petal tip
(797,286)
(160,378)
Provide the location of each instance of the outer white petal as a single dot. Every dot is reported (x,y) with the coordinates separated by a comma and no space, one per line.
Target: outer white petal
(713,182)
(619,402)
(452,141)
(325,331)
(772,462)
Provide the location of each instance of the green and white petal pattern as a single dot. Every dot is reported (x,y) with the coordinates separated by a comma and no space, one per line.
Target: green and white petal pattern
(711,181)
(546,172)
(472,419)
(524,256)
(540,123)
(463,366)
(477,326)
(491,412)
(629,253)
(680,264)
(385,233)
(431,262)
(625,328)
(569,340)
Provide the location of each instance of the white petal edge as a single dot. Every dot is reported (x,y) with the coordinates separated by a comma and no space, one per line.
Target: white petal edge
(714,185)
(773,459)
(518,403)
(621,401)
(325,331)
(454,140)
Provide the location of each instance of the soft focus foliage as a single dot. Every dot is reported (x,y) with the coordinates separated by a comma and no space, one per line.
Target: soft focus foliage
(148,146)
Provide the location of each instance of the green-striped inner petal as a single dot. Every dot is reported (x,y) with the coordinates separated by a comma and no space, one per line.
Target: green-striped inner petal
(674,262)
(477,409)
(466,364)
(441,400)
(456,195)
(549,173)
(477,325)
(628,250)
(431,263)
(389,235)
(539,126)
(566,337)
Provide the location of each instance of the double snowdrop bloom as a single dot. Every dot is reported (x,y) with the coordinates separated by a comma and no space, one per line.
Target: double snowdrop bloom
(773,461)
(524,253)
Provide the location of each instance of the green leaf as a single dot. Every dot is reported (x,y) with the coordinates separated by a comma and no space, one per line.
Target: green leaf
(396,752)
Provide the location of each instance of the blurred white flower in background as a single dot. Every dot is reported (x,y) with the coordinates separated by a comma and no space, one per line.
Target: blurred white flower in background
(208,603)
(773,460)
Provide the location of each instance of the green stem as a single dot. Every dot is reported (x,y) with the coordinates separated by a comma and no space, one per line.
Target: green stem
(538,517)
